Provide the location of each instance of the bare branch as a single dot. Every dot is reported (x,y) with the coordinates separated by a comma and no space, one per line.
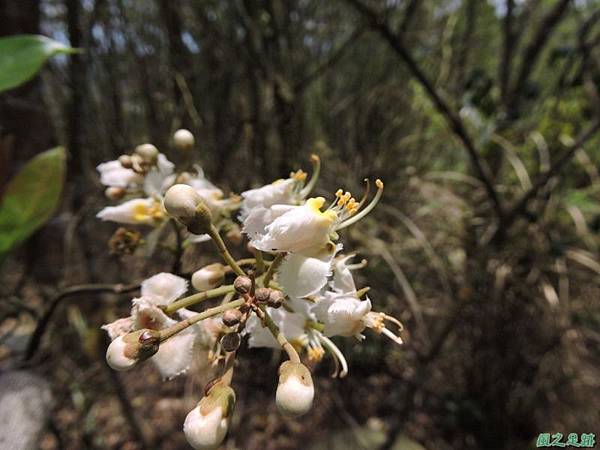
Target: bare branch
(396,42)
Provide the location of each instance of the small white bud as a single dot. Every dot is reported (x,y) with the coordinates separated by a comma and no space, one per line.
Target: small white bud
(185,204)
(148,152)
(295,391)
(181,201)
(115,193)
(126,351)
(206,425)
(209,277)
(183,139)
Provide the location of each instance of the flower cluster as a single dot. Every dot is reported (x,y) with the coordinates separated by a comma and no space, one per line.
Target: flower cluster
(295,293)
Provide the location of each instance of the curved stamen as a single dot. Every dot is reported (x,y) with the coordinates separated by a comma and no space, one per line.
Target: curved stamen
(368,208)
(356,266)
(394,321)
(392,336)
(336,353)
(316,163)
(365,196)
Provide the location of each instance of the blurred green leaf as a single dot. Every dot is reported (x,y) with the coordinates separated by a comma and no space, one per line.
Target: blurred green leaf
(404,443)
(31,198)
(22,56)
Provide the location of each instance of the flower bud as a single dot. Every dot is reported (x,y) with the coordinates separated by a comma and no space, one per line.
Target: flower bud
(295,391)
(148,152)
(242,284)
(275,299)
(232,317)
(206,425)
(209,277)
(185,204)
(126,351)
(115,193)
(262,294)
(231,342)
(183,139)
(125,161)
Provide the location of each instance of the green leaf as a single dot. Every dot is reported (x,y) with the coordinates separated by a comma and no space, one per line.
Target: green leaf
(31,198)
(22,56)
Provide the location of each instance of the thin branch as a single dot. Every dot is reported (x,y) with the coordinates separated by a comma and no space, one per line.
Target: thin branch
(521,205)
(38,333)
(532,52)
(456,125)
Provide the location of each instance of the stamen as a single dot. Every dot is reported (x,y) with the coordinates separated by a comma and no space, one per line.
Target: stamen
(367,210)
(316,165)
(392,336)
(394,321)
(336,353)
(366,194)
(360,265)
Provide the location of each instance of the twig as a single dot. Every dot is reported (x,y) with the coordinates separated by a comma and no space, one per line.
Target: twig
(42,324)
(521,205)
(456,125)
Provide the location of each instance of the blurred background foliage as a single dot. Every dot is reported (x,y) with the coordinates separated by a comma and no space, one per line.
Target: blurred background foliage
(481,117)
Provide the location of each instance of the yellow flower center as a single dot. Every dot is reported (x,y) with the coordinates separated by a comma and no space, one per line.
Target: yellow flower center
(142,212)
(315,204)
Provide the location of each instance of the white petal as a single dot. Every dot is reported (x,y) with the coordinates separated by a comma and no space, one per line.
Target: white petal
(131,212)
(112,173)
(164,287)
(342,276)
(279,192)
(146,314)
(174,355)
(257,221)
(296,230)
(119,327)
(301,276)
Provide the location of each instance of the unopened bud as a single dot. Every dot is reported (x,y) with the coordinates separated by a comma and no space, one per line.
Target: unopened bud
(209,277)
(206,425)
(242,284)
(232,317)
(295,391)
(185,204)
(183,139)
(126,351)
(275,299)
(231,342)
(125,161)
(115,193)
(262,294)
(148,152)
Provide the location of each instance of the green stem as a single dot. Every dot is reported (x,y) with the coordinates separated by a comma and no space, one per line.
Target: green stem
(260,262)
(180,326)
(278,335)
(272,268)
(197,298)
(216,238)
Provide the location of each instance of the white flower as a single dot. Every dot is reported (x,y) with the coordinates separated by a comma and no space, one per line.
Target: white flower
(280,192)
(300,228)
(113,174)
(139,211)
(292,325)
(159,177)
(345,315)
(175,354)
(295,391)
(302,275)
(342,315)
(206,425)
(164,288)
